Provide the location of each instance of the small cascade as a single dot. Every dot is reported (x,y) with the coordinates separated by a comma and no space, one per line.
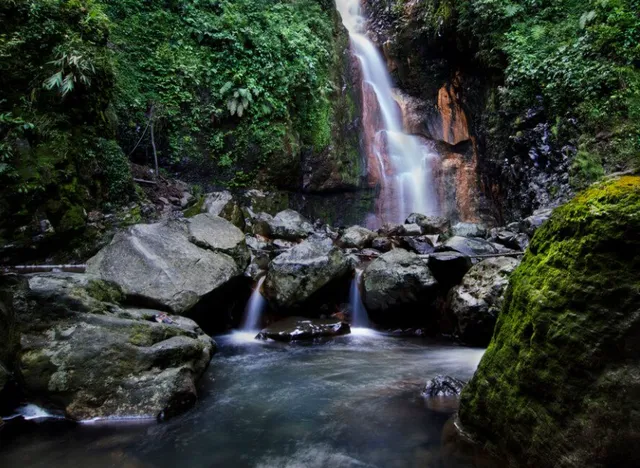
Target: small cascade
(254,310)
(359,316)
(401,164)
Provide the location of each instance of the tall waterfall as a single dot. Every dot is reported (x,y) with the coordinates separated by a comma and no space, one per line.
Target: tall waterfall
(404,163)
(254,310)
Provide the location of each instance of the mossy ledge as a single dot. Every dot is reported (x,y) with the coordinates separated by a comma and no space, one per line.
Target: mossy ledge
(559,384)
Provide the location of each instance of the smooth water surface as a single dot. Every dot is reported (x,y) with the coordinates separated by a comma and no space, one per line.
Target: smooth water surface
(351,402)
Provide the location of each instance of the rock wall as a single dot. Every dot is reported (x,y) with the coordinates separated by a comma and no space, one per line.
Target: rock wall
(558,385)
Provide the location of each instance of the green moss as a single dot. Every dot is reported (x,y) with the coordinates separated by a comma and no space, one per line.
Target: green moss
(72,220)
(194,209)
(570,316)
(105,292)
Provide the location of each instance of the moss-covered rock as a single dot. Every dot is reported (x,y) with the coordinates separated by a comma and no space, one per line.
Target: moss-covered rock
(560,382)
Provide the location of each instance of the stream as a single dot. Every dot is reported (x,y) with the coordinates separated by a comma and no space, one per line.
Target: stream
(353,401)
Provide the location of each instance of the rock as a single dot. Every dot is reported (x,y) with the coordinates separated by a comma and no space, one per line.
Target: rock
(430,224)
(476,302)
(157,264)
(219,235)
(470,246)
(223,204)
(84,353)
(390,230)
(9,337)
(294,276)
(442,386)
(369,253)
(449,267)
(261,224)
(558,385)
(290,225)
(395,279)
(511,240)
(298,328)
(469,230)
(421,245)
(186,199)
(531,224)
(281,244)
(382,244)
(267,202)
(411,230)
(357,237)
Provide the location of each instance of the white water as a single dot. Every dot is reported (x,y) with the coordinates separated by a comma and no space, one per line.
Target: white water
(359,316)
(254,310)
(410,185)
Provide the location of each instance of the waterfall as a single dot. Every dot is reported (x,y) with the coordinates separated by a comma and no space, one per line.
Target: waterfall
(404,163)
(254,309)
(359,317)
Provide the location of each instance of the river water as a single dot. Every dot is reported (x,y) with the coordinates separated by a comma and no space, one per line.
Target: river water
(350,402)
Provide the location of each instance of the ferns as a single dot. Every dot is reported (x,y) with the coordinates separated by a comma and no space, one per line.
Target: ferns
(73,68)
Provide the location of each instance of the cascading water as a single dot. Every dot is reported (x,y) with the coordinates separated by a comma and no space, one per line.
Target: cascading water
(255,308)
(359,316)
(404,162)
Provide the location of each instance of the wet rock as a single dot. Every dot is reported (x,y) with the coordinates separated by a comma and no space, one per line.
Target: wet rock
(395,279)
(219,235)
(470,246)
(92,358)
(442,386)
(290,225)
(421,245)
(294,276)
(391,229)
(261,224)
(531,224)
(383,244)
(411,230)
(476,302)
(469,230)
(430,224)
(357,237)
(558,385)
(157,264)
(369,253)
(224,204)
(449,267)
(509,239)
(299,329)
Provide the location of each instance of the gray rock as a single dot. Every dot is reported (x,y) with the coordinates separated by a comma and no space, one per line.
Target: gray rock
(449,267)
(469,230)
(94,359)
(357,237)
(298,328)
(421,244)
(476,302)
(530,225)
(383,244)
(224,204)
(411,230)
(158,264)
(290,225)
(430,224)
(470,246)
(510,239)
(297,274)
(261,224)
(397,278)
(281,244)
(443,386)
(219,235)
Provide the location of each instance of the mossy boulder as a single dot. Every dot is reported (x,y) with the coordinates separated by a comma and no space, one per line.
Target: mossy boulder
(559,384)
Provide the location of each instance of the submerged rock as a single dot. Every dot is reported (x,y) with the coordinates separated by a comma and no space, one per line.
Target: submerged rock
(94,359)
(558,385)
(476,302)
(290,225)
(357,237)
(395,279)
(298,329)
(157,264)
(294,276)
(442,386)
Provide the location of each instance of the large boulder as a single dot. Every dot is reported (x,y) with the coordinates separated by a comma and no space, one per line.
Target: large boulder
(219,235)
(224,205)
(299,329)
(469,230)
(449,267)
(357,237)
(430,224)
(92,358)
(559,384)
(471,247)
(476,302)
(158,265)
(297,274)
(290,225)
(422,245)
(397,281)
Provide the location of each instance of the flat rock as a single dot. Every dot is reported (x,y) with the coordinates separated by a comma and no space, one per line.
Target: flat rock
(299,328)
(219,235)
